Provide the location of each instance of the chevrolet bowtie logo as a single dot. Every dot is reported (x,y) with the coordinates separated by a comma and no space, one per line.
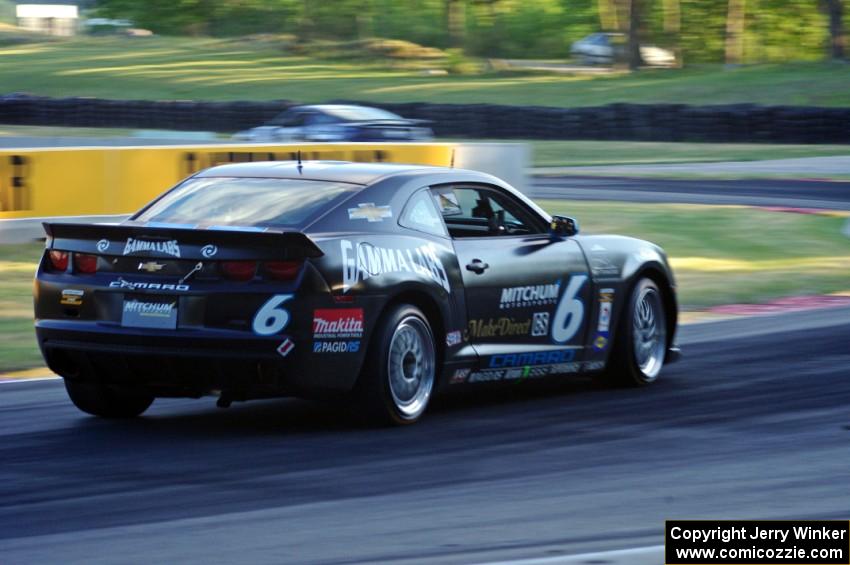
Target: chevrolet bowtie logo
(151,266)
(369,211)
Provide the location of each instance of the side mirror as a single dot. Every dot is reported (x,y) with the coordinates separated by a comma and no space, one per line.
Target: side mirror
(563,226)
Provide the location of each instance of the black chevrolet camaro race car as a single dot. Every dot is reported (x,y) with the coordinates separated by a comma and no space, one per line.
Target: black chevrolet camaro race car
(378,281)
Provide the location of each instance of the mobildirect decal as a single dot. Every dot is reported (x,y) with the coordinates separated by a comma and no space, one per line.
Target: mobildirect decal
(498,327)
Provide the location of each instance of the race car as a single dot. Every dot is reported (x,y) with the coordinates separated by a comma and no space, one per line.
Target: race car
(337,122)
(382,283)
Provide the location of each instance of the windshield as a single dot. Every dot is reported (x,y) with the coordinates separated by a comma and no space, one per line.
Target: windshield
(359,113)
(248,202)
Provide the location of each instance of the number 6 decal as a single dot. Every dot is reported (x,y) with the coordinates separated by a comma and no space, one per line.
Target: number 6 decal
(271,318)
(570,311)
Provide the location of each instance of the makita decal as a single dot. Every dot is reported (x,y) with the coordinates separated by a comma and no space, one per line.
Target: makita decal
(338,323)
(140,245)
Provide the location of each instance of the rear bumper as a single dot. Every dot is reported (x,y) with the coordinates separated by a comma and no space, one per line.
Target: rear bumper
(180,364)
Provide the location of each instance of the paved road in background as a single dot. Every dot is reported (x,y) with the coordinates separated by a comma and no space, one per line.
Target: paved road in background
(753,423)
(800,167)
(768,192)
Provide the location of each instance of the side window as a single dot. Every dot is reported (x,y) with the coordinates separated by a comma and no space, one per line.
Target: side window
(420,214)
(300,119)
(485,212)
(283,119)
(319,119)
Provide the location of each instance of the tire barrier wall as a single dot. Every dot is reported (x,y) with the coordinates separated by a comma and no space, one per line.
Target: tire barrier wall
(638,122)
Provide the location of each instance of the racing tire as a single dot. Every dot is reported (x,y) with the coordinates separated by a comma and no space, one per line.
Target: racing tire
(99,400)
(640,346)
(399,375)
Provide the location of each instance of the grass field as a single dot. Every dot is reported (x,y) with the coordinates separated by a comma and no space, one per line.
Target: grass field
(17,339)
(212,69)
(727,254)
(721,255)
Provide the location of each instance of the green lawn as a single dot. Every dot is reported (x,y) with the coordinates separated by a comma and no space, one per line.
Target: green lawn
(578,153)
(727,254)
(213,69)
(18,349)
(720,255)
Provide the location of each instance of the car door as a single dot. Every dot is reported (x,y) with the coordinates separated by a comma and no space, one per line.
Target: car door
(526,291)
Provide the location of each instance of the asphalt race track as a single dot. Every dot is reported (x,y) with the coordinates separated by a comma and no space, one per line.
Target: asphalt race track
(751,192)
(754,422)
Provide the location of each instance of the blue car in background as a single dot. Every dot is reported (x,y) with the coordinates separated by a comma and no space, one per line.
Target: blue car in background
(337,122)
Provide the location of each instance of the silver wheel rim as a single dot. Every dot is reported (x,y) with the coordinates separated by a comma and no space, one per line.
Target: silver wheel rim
(650,333)
(410,367)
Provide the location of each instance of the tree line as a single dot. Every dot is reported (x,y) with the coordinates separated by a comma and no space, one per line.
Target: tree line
(731,31)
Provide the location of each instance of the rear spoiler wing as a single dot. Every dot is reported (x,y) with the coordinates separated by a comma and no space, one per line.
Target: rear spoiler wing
(139,240)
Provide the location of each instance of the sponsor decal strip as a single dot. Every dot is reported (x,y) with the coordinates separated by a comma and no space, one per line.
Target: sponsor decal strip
(454,338)
(526,372)
(499,327)
(540,324)
(368,211)
(286,347)
(370,261)
(72,297)
(606,302)
(534,295)
(170,247)
(121,283)
(531,358)
(336,346)
(337,330)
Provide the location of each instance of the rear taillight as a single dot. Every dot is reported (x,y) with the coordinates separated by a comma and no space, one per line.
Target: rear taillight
(239,270)
(84,263)
(282,270)
(58,260)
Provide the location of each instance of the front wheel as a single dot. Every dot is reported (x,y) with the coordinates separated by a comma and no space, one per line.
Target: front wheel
(641,341)
(398,379)
(99,400)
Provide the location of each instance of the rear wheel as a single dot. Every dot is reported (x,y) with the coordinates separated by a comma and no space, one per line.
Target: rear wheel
(398,378)
(641,342)
(100,400)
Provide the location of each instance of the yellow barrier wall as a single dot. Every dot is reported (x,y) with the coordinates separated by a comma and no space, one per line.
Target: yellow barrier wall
(119,180)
